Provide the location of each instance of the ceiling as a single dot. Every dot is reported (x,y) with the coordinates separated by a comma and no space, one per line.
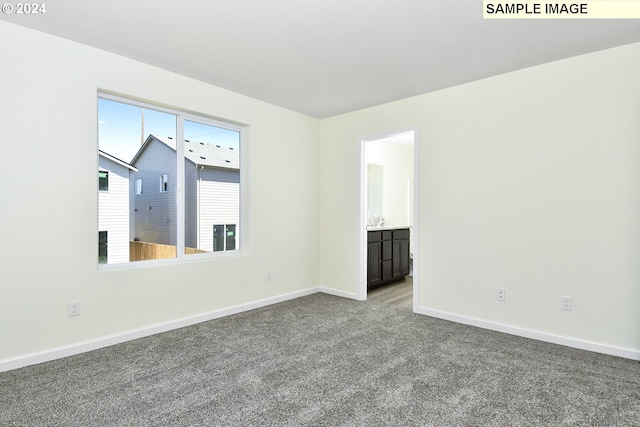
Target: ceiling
(325,57)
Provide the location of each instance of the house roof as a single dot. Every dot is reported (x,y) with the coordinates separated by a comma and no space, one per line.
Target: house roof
(200,153)
(117,160)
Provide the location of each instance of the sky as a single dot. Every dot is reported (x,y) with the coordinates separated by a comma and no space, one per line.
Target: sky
(120,129)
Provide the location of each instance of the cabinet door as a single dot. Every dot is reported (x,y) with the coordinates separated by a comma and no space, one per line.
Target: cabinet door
(387,271)
(404,257)
(387,250)
(374,269)
(397,260)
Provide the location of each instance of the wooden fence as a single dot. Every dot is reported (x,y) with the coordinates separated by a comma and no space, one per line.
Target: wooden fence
(141,251)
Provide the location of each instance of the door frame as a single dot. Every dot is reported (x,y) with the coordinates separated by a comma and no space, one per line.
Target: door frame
(362,235)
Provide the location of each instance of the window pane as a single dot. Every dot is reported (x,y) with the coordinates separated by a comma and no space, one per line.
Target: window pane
(212,186)
(230,239)
(191,200)
(102,247)
(218,238)
(103,181)
(164,183)
(137,144)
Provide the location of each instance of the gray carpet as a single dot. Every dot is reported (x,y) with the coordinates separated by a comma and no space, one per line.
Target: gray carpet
(326,361)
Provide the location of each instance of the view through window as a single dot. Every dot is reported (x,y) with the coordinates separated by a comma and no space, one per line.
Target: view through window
(167,182)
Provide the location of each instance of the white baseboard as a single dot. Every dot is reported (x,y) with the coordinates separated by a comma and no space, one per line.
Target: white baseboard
(339,293)
(70,350)
(94,344)
(536,335)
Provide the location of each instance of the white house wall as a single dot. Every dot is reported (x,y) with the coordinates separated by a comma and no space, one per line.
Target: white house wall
(113,214)
(528,181)
(219,201)
(49,91)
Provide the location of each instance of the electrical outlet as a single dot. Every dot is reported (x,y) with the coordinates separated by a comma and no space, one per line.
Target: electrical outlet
(268,275)
(74,308)
(565,303)
(500,294)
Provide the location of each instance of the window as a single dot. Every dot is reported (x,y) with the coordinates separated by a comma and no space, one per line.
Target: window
(103,181)
(164,183)
(230,239)
(218,238)
(196,161)
(102,247)
(224,237)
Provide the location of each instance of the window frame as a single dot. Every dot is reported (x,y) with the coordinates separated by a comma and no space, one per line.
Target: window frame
(137,187)
(106,179)
(181,116)
(224,238)
(105,246)
(164,183)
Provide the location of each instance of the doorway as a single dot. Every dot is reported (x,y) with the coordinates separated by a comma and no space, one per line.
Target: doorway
(388,202)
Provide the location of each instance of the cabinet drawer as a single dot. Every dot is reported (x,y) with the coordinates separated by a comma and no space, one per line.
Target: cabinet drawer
(386,234)
(401,234)
(374,236)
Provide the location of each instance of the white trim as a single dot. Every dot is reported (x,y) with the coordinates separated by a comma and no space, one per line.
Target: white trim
(117,160)
(339,293)
(109,340)
(362,226)
(627,353)
(415,232)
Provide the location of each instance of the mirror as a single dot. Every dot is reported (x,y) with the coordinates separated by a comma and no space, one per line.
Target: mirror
(374,194)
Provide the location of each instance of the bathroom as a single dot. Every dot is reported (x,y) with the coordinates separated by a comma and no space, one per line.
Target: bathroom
(389,201)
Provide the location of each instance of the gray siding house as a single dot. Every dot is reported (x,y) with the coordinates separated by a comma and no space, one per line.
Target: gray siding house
(212,194)
(113,212)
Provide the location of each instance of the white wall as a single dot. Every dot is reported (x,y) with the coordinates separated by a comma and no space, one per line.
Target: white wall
(529,181)
(49,229)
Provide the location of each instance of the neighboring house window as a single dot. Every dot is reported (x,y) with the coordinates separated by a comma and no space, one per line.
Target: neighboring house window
(102,247)
(164,183)
(224,237)
(103,181)
(200,157)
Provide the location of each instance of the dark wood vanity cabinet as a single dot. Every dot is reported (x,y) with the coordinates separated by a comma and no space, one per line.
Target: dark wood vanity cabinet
(388,256)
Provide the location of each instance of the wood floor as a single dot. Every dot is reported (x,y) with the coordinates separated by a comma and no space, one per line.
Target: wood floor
(399,294)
